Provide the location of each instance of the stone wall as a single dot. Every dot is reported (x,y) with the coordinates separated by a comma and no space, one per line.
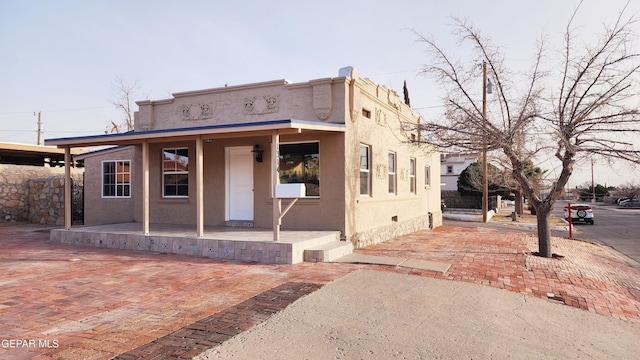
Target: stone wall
(35,194)
(388,232)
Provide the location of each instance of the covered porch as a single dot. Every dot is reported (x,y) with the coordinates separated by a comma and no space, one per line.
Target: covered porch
(231,243)
(147,232)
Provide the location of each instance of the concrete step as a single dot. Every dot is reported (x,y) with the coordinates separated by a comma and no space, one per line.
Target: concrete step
(328,252)
(239,223)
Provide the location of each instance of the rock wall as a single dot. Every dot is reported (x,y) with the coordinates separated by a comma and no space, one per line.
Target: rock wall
(35,194)
(384,233)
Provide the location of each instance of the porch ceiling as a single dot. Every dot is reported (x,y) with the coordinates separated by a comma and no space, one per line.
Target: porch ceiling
(211,131)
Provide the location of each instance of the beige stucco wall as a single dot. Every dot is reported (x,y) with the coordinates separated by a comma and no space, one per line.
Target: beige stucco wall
(315,213)
(389,129)
(98,210)
(317,100)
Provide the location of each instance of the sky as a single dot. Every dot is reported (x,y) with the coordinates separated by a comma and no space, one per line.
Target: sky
(61,58)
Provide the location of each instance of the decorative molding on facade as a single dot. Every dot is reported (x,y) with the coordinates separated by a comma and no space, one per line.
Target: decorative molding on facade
(404,174)
(323,114)
(381,171)
(393,99)
(381,117)
(322,100)
(258,105)
(195,112)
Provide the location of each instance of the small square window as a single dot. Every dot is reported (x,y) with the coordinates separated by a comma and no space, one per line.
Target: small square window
(449,169)
(366,113)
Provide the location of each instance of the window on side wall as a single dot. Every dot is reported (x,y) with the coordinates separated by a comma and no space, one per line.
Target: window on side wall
(116,179)
(427,175)
(365,170)
(449,169)
(412,175)
(175,173)
(300,163)
(392,173)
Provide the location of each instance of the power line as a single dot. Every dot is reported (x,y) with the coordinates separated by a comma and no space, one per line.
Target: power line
(59,110)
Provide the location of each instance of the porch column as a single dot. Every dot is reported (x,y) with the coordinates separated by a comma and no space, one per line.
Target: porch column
(275,179)
(199,188)
(145,187)
(67,187)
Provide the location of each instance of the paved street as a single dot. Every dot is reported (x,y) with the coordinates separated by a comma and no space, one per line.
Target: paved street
(72,302)
(618,228)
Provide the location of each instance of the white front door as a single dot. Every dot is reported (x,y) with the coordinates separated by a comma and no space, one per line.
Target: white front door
(239,183)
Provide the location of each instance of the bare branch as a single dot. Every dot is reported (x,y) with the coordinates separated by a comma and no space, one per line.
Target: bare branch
(586,106)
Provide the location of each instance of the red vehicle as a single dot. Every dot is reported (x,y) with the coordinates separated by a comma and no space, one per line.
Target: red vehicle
(580,213)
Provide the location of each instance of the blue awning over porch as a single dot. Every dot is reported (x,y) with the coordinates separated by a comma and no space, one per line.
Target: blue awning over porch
(218,130)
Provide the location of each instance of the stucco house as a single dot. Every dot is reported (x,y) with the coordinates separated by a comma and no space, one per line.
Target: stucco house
(217,157)
(451,166)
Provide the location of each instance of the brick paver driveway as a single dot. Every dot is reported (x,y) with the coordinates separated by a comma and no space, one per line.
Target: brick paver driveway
(74,302)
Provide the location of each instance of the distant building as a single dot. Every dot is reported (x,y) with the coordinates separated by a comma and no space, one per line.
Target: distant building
(451,166)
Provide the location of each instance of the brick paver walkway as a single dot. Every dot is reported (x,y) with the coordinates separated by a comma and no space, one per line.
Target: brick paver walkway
(586,276)
(70,302)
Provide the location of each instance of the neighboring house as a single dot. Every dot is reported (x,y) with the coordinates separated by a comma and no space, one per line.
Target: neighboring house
(451,166)
(213,157)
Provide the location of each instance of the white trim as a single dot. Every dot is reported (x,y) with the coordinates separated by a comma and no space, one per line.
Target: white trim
(413,178)
(227,182)
(395,173)
(368,170)
(116,183)
(427,175)
(176,172)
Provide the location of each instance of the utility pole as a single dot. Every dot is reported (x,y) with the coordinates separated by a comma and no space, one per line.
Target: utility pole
(593,185)
(39,125)
(485,168)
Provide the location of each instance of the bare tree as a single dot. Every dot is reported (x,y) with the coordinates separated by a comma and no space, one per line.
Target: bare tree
(584,104)
(629,190)
(124,95)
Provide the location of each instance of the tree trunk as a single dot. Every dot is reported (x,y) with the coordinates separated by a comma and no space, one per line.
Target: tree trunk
(543,212)
(519,203)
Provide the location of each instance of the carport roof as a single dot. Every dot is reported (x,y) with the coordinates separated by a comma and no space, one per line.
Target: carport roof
(219,130)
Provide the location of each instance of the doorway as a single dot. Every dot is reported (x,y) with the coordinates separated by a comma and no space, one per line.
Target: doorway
(239,183)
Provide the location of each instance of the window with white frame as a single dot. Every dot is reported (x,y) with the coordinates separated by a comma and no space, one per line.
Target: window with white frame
(427,175)
(116,179)
(365,169)
(412,175)
(175,172)
(300,163)
(449,169)
(392,173)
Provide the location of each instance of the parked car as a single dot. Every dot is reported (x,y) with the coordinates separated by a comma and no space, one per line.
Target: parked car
(580,213)
(630,203)
(621,199)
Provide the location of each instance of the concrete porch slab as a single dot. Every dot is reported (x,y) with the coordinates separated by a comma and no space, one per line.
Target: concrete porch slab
(233,243)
